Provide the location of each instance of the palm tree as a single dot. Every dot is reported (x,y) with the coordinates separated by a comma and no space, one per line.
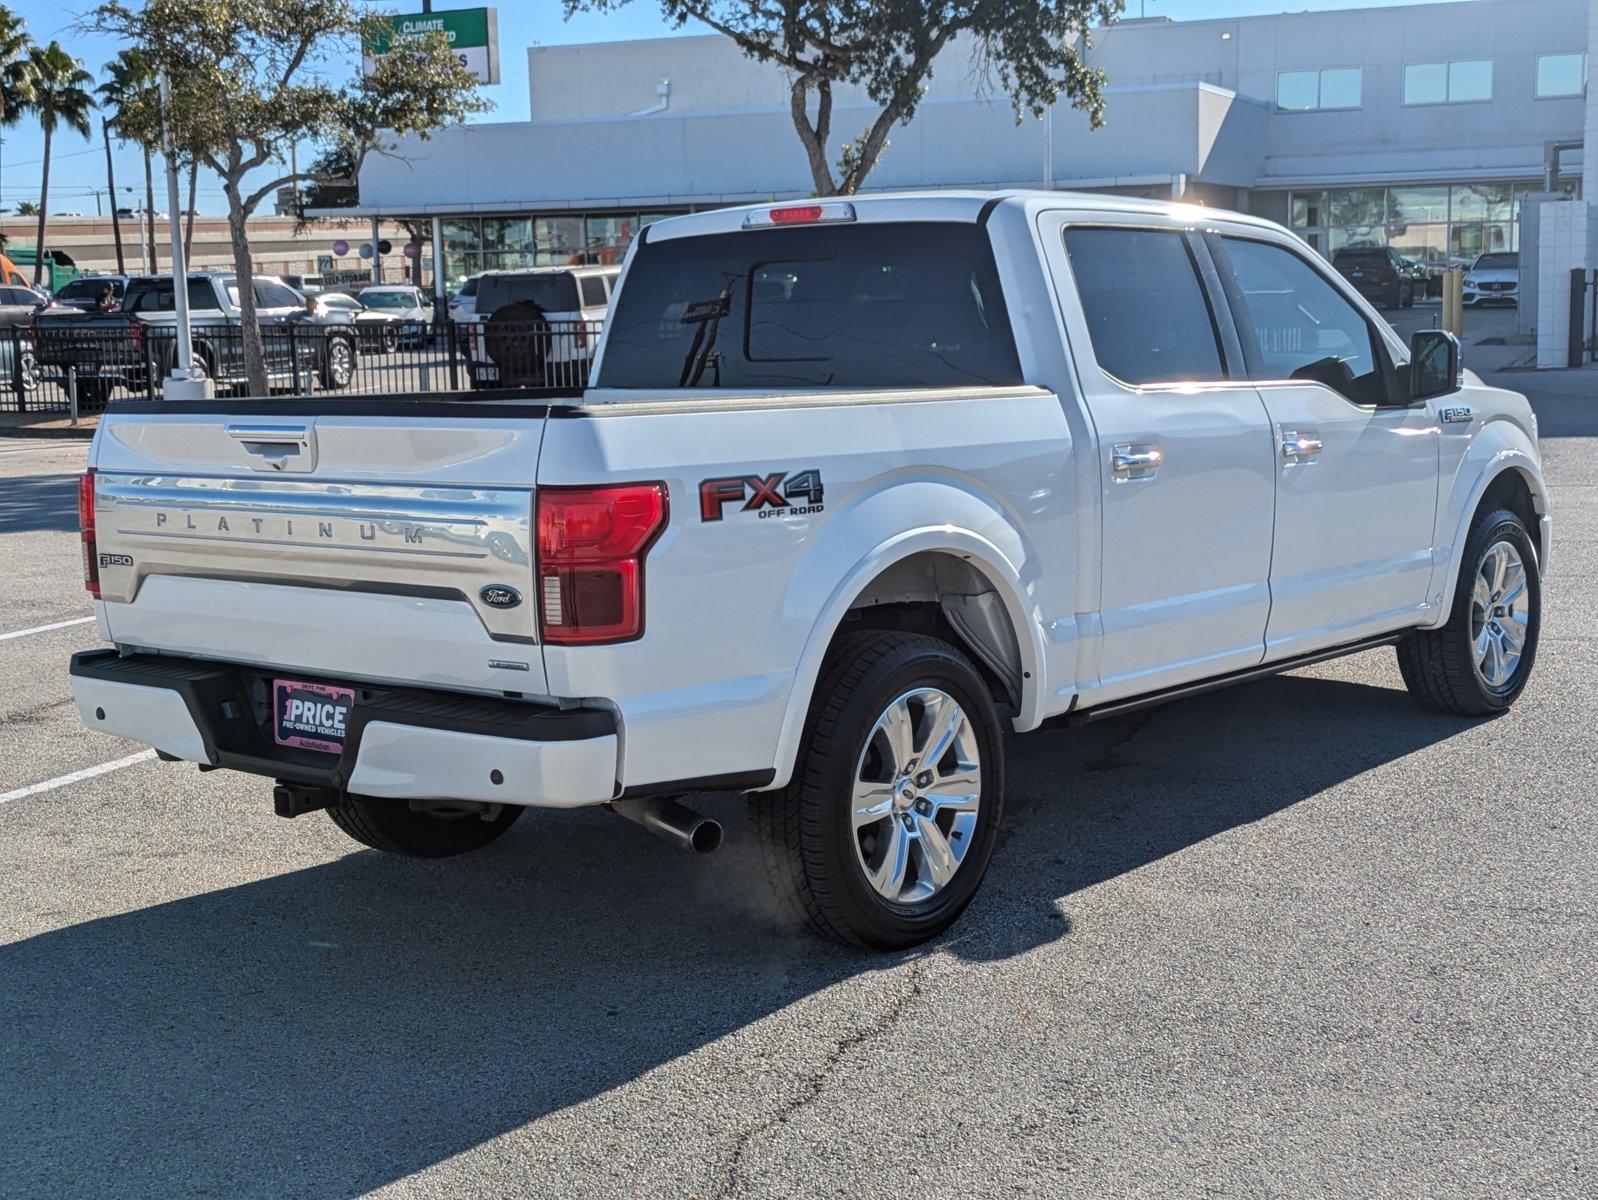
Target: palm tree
(130,82)
(14,70)
(60,96)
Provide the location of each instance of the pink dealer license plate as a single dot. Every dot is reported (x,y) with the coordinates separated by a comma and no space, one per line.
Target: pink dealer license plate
(311,716)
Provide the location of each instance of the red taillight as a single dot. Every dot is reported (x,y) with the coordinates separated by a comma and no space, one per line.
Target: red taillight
(591,547)
(136,329)
(582,334)
(91,565)
(801,214)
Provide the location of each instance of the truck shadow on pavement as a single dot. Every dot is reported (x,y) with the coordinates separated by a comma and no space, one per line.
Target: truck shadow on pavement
(334,1029)
(34,502)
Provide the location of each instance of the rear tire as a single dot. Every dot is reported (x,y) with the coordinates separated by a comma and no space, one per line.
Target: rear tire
(338,363)
(847,843)
(392,826)
(1465,668)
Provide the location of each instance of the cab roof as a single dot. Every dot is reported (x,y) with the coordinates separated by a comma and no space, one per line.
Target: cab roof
(937,206)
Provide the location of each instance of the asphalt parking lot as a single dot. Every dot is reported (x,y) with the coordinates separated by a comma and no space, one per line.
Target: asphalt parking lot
(1296,938)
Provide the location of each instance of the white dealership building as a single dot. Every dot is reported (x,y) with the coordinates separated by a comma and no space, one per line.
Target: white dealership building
(1425,127)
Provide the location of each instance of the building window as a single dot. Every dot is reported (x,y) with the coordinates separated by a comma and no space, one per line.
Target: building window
(1319,91)
(1561,75)
(1437,225)
(1449,83)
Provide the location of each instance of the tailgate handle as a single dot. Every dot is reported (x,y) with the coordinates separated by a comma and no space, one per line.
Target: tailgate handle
(274,445)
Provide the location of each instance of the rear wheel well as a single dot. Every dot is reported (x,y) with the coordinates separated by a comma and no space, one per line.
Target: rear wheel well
(944,596)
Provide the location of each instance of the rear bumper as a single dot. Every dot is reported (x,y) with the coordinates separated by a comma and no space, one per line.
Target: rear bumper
(403,743)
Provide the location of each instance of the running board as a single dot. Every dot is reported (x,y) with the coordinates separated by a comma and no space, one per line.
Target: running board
(1118,708)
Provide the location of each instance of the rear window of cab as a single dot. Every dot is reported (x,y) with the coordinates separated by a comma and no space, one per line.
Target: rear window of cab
(877,305)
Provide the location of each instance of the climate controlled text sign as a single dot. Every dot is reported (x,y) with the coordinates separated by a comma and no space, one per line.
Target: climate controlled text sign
(473,35)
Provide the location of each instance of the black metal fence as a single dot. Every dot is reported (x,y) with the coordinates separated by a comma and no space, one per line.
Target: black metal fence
(61,365)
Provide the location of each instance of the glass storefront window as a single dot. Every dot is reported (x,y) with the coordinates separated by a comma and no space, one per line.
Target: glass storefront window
(608,238)
(1483,202)
(1417,206)
(461,235)
(1420,243)
(1306,209)
(559,240)
(1359,211)
(508,233)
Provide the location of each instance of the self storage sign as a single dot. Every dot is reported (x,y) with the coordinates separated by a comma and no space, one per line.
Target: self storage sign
(311,716)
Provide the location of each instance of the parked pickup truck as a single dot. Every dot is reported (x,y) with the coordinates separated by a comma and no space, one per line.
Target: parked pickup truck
(858,487)
(120,347)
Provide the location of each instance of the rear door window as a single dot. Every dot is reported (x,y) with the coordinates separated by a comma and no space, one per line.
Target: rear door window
(157,297)
(1145,306)
(869,306)
(593,291)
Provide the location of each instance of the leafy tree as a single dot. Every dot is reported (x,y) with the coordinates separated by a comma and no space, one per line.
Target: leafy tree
(250,78)
(128,89)
(1033,47)
(27,209)
(58,95)
(15,74)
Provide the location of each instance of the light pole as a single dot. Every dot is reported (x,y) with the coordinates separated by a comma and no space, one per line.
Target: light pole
(184,383)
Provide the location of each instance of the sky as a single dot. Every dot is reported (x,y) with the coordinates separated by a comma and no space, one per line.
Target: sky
(78,167)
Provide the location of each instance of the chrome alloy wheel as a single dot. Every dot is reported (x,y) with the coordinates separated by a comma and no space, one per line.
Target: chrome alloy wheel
(917,792)
(340,362)
(1498,614)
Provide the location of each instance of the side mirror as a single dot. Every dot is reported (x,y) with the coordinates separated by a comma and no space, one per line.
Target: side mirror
(1434,365)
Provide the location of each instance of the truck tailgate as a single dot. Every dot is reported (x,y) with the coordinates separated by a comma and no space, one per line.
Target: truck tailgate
(383,541)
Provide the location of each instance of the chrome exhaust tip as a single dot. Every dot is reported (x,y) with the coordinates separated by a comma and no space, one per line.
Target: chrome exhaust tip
(677,823)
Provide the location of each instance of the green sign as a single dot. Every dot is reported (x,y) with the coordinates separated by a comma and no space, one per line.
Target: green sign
(473,34)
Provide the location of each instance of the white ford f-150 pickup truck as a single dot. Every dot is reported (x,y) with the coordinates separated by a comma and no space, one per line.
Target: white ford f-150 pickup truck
(857,486)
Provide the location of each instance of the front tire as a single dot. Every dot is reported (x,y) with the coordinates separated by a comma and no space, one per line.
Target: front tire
(395,828)
(1479,662)
(886,830)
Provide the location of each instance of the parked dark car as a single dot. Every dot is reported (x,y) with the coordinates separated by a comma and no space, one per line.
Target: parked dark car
(1383,276)
(109,349)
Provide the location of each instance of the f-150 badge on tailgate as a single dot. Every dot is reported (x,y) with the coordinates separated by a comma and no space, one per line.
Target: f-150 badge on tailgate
(776,495)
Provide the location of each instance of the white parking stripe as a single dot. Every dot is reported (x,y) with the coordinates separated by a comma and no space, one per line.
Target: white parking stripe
(6,637)
(50,785)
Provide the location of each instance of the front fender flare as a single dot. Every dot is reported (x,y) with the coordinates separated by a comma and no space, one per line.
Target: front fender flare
(1500,446)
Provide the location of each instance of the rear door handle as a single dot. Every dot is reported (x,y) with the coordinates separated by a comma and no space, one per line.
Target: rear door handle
(1300,445)
(1132,461)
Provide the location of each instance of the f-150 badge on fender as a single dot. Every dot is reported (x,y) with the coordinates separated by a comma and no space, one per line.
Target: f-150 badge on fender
(776,495)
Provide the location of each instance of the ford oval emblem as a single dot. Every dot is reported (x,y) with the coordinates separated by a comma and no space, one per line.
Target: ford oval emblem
(498,595)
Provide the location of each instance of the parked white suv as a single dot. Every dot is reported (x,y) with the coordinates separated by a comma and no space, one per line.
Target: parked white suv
(538,326)
(858,487)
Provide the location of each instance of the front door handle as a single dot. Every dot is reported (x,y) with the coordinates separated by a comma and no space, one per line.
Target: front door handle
(1300,445)
(1129,462)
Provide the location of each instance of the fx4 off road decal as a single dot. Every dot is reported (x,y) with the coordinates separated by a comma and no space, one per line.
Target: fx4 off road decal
(776,495)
